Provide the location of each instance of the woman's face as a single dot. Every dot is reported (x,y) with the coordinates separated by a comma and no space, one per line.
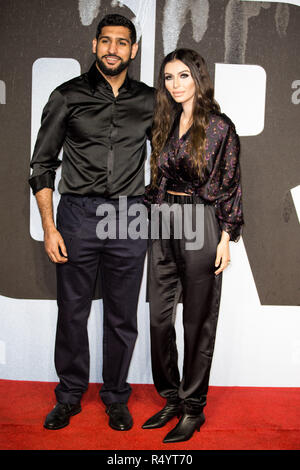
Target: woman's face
(179,82)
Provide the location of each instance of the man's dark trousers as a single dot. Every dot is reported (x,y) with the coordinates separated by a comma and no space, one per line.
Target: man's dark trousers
(121,266)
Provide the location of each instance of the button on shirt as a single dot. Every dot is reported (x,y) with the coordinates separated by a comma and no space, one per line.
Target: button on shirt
(103,137)
(221,184)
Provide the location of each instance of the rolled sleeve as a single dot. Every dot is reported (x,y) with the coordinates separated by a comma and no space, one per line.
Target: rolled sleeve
(51,135)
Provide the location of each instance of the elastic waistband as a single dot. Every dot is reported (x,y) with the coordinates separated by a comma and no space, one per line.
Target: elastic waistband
(178,199)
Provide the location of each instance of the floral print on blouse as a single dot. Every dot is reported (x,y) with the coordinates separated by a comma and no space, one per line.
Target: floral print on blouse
(221,185)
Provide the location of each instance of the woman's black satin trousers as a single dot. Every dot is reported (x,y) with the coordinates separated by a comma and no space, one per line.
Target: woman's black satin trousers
(178,274)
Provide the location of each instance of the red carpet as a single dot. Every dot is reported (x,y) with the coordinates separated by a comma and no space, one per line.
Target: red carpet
(237,418)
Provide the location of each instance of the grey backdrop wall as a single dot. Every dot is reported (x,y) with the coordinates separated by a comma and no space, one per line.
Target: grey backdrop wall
(252,49)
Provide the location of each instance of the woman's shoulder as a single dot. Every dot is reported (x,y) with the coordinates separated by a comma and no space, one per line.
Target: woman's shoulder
(221,121)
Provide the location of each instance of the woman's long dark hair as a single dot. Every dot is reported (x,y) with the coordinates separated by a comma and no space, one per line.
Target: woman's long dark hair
(166,110)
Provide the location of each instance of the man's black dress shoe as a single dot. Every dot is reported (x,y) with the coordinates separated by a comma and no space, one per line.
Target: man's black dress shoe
(59,417)
(164,416)
(185,428)
(119,417)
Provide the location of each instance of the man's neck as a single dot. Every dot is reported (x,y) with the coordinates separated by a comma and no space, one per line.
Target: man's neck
(115,81)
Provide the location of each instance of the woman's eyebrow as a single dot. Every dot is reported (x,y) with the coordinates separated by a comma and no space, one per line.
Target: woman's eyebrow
(169,73)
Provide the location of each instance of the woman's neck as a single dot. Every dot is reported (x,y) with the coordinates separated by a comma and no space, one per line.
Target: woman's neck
(187,113)
(186,120)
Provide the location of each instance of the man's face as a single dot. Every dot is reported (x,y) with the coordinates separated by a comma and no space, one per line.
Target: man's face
(114,50)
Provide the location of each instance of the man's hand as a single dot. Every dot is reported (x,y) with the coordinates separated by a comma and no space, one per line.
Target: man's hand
(54,243)
(223,253)
(55,246)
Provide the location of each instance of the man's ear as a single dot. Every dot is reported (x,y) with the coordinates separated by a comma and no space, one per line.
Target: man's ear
(94,45)
(134,50)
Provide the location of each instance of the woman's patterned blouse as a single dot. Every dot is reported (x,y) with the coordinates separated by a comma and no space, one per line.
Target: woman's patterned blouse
(220,185)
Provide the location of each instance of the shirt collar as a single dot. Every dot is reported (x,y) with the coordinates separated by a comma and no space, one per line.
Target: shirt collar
(96,78)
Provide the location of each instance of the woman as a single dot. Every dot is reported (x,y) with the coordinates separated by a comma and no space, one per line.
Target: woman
(194,164)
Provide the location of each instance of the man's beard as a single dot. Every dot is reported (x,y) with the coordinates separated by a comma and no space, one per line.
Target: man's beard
(112,72)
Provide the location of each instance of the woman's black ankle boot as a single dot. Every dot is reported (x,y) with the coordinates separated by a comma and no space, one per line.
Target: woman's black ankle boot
(171,409)
(190,421)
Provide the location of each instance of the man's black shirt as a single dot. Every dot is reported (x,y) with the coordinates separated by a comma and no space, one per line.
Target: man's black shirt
(103,137)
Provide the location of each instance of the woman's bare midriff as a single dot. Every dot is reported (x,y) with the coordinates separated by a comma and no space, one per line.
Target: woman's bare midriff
(178,194)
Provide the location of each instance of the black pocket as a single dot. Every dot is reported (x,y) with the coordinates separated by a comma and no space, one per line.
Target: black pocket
(70,215)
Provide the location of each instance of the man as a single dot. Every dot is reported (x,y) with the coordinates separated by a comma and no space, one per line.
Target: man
(102,119)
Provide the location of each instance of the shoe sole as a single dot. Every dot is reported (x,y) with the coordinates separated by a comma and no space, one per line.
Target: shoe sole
(64,425)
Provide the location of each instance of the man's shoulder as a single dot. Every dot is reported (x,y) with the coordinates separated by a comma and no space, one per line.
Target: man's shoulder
(143,87)
(74,84)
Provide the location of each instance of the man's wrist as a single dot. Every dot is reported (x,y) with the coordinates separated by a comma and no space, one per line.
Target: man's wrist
(49,227)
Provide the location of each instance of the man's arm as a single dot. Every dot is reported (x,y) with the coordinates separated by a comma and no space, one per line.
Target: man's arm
(44,163)
(54,243)
(50,138)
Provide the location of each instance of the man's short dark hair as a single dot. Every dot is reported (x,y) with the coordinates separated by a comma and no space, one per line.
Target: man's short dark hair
(117,20)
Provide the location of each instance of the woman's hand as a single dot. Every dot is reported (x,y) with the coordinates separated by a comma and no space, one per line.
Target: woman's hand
(223,253)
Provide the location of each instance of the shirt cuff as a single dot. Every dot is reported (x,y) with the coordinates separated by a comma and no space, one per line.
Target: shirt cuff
(233,230)
(46,180)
